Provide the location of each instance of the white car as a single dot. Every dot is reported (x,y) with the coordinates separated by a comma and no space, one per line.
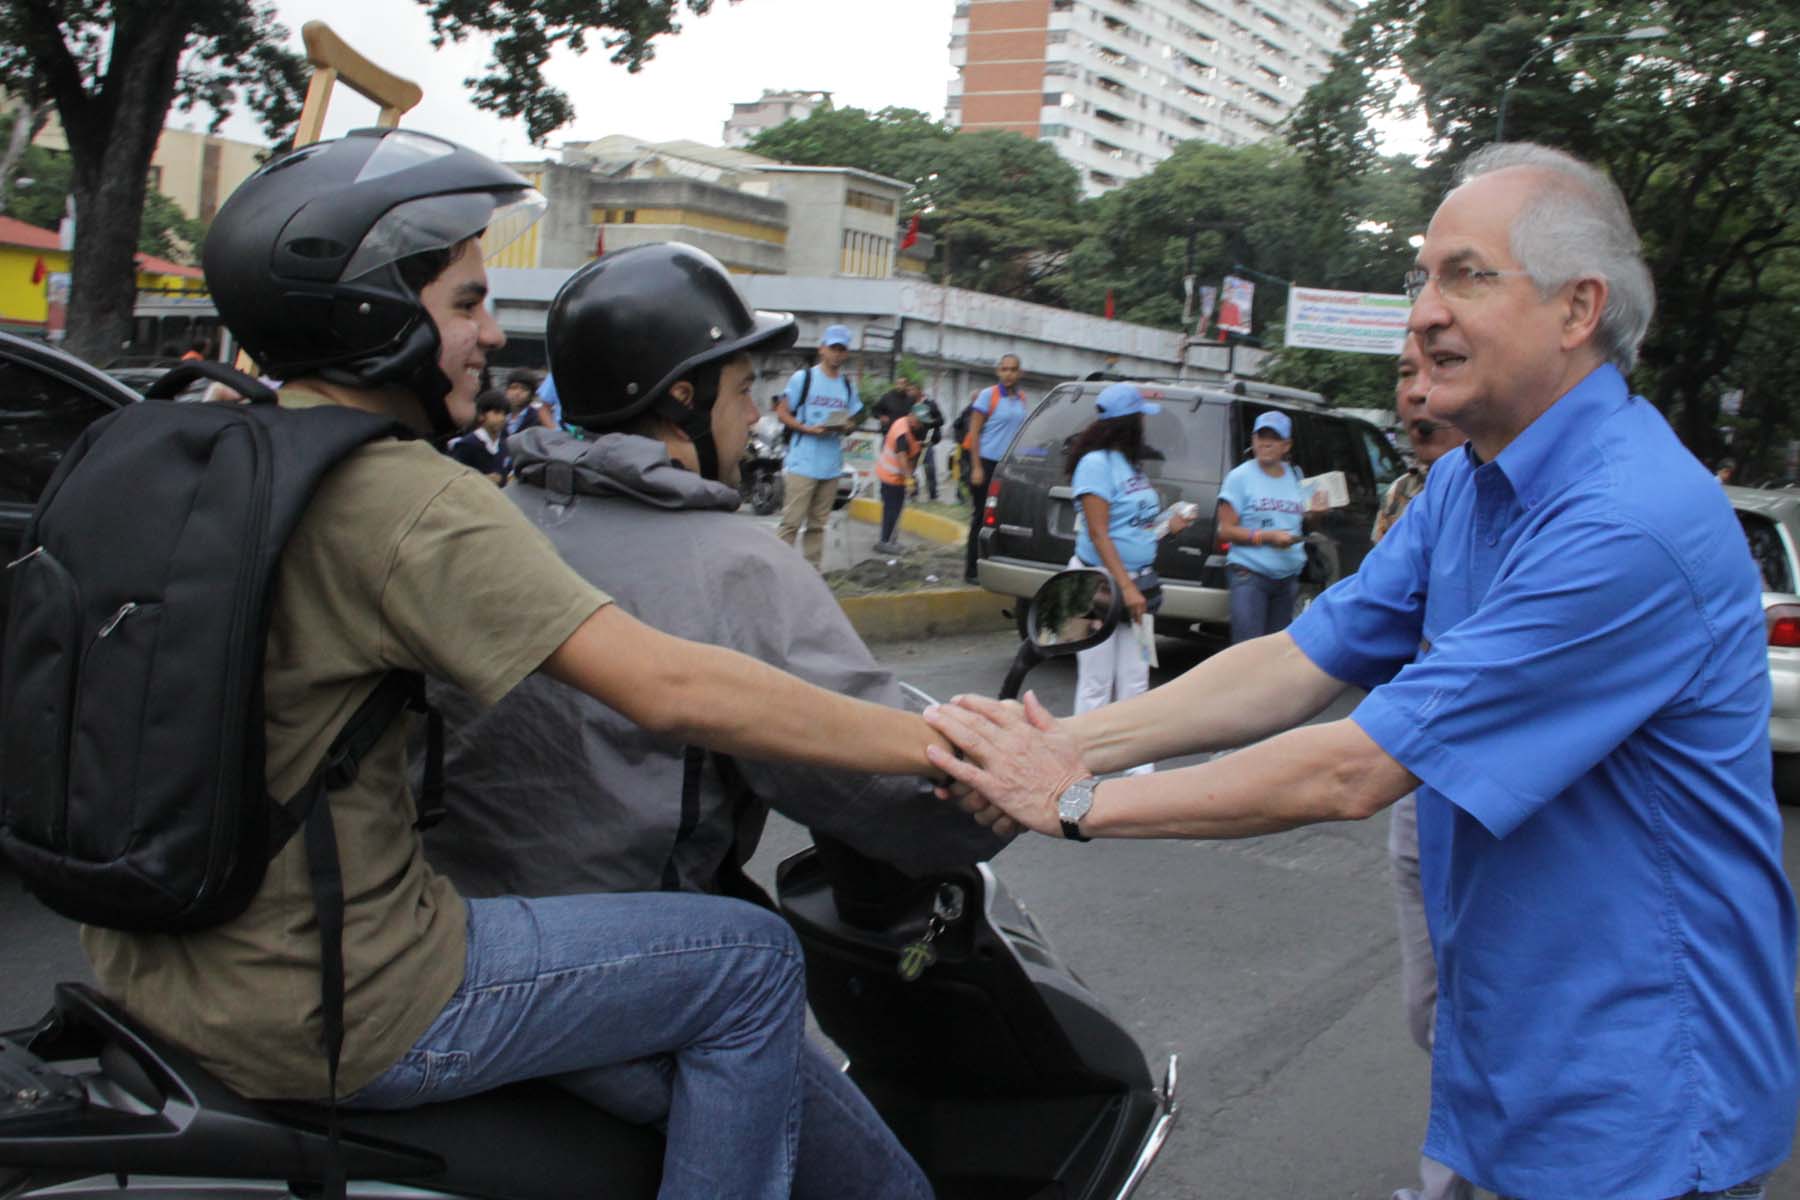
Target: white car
(1771,520)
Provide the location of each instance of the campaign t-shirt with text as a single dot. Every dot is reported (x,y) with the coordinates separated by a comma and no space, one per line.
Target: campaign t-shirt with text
(1132,509)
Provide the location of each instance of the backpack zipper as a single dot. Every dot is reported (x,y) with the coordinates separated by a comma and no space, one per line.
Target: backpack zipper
(112,623)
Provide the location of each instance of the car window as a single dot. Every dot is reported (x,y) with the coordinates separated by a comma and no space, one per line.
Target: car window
(1770,553)
(1384,460)
(1185,442)
(40,415)
(1322,444)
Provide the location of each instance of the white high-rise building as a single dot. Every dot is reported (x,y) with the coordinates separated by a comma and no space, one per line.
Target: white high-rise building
(1116,85)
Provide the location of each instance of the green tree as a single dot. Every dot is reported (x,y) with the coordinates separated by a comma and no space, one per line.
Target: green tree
(901,143)
(1251,207)
(526,32)
(113,69)
(1697,127)
(1004,209)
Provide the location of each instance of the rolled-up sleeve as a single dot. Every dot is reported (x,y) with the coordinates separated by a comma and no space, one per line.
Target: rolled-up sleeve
(1582,637)
(1364,628)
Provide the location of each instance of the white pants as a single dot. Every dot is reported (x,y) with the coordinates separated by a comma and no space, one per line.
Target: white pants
(1116,669)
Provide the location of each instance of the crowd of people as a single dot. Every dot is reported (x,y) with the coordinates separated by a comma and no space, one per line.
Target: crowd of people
(1558,633)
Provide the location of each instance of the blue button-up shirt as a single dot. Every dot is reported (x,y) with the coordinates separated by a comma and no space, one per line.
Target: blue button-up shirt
(1566,646)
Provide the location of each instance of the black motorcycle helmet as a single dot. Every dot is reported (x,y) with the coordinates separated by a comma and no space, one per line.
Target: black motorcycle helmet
(629,325)
(313,262)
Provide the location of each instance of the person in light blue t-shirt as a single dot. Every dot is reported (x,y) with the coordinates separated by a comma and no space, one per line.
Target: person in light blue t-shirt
(815,456)
(1115,520)
(1262,507)
(996,415)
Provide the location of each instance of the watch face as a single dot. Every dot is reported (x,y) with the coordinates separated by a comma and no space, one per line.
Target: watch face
(1074,803)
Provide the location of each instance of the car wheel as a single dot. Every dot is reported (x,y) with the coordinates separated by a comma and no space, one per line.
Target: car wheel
(1787,778)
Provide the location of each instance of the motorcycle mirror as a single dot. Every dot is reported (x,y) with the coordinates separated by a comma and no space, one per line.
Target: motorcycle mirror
(1074,610)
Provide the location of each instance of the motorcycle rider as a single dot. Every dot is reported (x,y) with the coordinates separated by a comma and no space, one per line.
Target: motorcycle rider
(352,271)
(552,793)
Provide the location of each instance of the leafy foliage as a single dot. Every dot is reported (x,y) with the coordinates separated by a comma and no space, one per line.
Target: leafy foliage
(113,69)
(1005,209)
(1697,127)
(525,33)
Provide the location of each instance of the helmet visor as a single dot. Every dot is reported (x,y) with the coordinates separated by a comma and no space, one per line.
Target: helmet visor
(441,222)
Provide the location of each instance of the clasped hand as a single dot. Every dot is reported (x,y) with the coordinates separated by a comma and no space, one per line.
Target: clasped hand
(1017,760)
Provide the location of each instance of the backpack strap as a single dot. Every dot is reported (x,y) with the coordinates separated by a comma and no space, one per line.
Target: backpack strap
(311,809)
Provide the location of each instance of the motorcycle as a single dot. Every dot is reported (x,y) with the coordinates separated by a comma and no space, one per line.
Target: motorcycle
(759,473)
(994,1064)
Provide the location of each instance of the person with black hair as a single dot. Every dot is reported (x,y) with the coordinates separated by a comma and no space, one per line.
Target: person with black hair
(1115,531)
(352,270)
(483,448)
(554,793)
(525,408)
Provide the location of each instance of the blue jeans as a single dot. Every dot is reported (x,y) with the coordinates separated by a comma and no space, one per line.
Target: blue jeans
(670,1009)
(1260,604)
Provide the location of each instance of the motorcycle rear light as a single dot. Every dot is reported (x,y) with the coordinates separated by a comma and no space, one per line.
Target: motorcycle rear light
(991,510)
(1784,624)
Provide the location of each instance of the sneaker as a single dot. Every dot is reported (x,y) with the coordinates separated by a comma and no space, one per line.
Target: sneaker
(971,577)
(889,548)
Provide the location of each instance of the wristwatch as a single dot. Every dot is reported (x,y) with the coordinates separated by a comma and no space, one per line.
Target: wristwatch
(1073,805)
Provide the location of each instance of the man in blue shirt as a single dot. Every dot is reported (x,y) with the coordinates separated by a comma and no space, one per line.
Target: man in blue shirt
(1563,646)
(995,417)
(818,406)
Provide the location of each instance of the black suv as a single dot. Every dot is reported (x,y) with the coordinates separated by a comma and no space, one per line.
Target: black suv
(46,399)
(1202,432)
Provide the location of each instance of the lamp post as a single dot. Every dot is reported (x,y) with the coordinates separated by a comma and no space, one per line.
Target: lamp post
(1646,34)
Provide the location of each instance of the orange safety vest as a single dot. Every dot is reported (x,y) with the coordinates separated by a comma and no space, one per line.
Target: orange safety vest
(892,466)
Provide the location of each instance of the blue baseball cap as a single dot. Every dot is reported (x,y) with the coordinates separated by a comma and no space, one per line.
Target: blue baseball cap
(1274,422)
(836,335)
(1123,399)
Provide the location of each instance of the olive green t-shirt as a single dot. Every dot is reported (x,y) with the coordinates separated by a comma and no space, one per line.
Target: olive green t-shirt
(404,559)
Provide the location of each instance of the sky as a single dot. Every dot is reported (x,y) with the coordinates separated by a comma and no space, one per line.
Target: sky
(867,53)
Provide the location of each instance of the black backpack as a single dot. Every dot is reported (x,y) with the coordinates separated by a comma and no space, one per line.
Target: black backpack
(132,698)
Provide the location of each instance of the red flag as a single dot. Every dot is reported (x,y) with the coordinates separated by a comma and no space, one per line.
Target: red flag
(912,233)
(599,240)
(38,271)
(1109,304)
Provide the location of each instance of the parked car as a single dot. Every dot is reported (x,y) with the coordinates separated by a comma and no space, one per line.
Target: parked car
(47,398)
(1201,433)
(1771,521)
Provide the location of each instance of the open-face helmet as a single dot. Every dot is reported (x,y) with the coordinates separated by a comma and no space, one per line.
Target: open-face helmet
(627,326)
(313,263)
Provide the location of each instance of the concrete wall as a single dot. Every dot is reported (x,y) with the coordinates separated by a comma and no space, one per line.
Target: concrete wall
(745,232)
(956,336)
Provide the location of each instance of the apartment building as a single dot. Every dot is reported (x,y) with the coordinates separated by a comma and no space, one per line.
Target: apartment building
(1116,85)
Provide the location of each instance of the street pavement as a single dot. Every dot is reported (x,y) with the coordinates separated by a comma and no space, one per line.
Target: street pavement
(1268,964)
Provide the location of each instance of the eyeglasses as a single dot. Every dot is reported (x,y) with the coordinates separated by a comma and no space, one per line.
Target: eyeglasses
(1458,283)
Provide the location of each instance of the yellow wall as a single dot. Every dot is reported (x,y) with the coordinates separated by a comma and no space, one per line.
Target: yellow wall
(23,302)
(773,234)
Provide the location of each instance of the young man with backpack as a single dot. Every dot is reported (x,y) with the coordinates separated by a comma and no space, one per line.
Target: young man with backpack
(352,271)
(819,405)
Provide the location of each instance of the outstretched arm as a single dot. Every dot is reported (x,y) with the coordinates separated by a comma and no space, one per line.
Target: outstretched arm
(730,702)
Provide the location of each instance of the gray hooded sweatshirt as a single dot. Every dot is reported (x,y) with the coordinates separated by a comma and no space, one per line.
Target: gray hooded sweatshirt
(551,792)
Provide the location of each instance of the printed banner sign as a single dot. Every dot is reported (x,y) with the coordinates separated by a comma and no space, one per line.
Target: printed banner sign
(1359,322)
(1235,299)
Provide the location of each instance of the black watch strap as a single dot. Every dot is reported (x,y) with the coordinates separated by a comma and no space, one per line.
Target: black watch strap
(1072,831)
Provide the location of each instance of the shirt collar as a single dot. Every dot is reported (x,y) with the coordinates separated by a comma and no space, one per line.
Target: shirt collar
(1559,446)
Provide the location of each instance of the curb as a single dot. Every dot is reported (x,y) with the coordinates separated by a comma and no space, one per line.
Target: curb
(930,526)
(897,616)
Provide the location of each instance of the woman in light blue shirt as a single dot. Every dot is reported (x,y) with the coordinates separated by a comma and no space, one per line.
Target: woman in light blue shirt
(1115,530)
(1262,508)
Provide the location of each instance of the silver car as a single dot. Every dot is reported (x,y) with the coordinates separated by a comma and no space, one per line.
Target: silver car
(1771,520)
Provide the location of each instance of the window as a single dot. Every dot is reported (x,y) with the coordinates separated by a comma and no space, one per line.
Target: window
(40,415)
(870,202)
(1770,555)
(1382,459)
